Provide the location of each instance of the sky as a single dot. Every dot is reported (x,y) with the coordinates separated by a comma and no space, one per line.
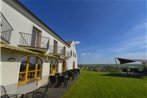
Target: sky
(104,29)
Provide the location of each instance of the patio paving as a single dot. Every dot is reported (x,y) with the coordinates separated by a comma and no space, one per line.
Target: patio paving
(58,92)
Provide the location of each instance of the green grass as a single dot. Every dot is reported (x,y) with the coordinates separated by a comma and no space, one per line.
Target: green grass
(100,85)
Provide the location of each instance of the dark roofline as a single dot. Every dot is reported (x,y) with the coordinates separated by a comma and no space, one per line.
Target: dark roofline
(11,3)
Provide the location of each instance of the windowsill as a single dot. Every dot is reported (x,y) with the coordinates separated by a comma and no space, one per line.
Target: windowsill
(28,81)
(52,75)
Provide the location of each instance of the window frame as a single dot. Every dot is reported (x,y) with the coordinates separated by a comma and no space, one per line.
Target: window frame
(53,67)
(27,71)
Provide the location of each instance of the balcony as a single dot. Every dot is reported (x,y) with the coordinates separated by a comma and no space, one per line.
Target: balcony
(33,42)
(57,50)
(5,36)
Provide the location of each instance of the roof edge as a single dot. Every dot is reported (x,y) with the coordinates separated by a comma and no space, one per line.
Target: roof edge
(27,13)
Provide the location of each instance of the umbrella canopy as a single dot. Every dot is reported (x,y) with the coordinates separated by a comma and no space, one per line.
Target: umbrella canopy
(125,60)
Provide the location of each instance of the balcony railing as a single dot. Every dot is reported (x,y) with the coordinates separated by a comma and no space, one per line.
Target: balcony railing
(5,36)
(29,40)
(57,50)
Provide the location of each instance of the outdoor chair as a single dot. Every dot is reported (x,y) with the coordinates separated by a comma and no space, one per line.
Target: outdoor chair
(3,92)
(70,74)
(76,72)
(52,80)
(62,79)
(41,92)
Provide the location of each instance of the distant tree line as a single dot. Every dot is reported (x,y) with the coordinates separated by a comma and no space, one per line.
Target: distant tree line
(110,67)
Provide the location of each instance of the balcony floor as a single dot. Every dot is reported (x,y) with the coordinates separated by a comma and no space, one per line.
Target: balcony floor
(36,49)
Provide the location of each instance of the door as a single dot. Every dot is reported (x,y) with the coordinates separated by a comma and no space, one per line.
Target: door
(36,37)
(64,51)
(73,65)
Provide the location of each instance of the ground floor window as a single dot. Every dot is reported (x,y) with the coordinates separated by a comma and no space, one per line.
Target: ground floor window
(30,69)
(53,67)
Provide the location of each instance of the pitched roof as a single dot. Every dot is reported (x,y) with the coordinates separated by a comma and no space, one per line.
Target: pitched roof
(69,42)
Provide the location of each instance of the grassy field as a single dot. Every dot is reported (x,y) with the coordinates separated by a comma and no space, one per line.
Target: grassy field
(101,85)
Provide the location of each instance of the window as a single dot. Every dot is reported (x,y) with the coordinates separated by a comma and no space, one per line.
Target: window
(30,69)
(53,67)
(71,53)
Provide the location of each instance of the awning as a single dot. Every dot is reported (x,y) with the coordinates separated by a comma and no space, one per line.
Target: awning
(7,46)
(20,49)
(126,60)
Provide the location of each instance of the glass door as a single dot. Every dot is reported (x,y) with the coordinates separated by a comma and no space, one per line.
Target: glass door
(55,47)
(36,37)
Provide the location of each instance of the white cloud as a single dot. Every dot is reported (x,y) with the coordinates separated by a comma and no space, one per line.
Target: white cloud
(83,54)
(130,44)
(86,53)
(134,39)
(77,42)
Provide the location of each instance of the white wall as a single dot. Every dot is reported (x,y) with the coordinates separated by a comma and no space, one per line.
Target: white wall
(20,23)
(0,73)
(72,59)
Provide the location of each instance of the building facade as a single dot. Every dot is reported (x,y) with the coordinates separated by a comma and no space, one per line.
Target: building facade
(30,50)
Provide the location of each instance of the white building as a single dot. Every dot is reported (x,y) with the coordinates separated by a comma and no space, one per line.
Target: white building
(30,50)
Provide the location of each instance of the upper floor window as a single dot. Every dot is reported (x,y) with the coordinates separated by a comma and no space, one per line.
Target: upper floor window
(64,50)
(71,53)
(30,69)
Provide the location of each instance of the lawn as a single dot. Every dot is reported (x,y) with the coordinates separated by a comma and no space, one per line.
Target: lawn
(100,85)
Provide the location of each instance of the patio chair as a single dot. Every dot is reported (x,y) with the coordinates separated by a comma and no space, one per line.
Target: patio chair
(52,80)
(62,79)
(41,92)
(3,92)
(69,74)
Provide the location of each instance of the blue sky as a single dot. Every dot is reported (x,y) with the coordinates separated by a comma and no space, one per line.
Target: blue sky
(105,28)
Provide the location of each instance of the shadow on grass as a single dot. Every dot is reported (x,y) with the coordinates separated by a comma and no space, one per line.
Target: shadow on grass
(117,74)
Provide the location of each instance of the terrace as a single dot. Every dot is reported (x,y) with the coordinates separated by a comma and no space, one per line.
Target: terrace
(33,42)
(57,50)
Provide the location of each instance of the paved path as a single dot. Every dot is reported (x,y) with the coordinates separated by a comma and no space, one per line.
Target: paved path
(59,92)
(54,92)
